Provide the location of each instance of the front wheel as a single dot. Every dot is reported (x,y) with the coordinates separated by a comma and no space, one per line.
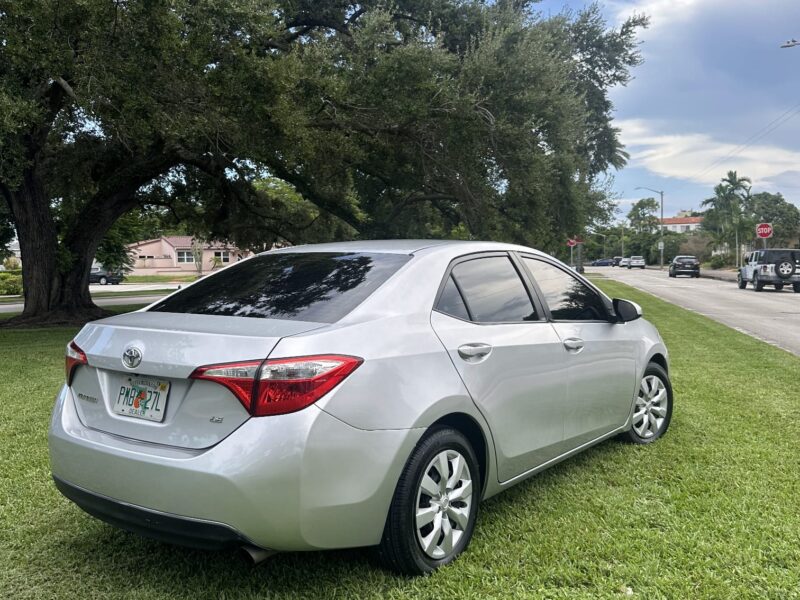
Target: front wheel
(433,511)
(652,411)
(103,281)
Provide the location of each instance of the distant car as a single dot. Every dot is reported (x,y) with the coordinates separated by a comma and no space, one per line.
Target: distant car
(104,276)
(616,261)
(623,262)
(684,265)
(776,267)
(636,261)
(603,262)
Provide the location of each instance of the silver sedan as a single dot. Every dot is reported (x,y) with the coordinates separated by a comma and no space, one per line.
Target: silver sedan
(350,394)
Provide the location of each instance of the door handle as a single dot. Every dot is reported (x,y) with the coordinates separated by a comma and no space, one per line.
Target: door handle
(474,352)
(573,344)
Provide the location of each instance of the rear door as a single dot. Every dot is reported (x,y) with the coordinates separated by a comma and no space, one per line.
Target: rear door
(600,355)
(509,357)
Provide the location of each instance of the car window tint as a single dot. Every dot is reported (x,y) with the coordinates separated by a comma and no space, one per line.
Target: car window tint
(451,302)
(303,286)
(568,298)
(493,291)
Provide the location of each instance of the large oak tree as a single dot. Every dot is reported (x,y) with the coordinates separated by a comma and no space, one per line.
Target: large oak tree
(416,117)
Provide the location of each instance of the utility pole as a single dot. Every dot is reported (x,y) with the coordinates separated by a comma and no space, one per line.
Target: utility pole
(622,237)
(660,224)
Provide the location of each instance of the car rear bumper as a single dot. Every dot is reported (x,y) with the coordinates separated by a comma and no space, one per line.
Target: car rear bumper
(686,271)
(301,481)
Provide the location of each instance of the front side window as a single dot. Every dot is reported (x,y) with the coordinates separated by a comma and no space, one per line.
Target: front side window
(493,291)
(568,298)
(304,286)
(185,256)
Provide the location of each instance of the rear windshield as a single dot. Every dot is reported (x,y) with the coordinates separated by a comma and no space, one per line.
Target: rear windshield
(313,286)
(771,256)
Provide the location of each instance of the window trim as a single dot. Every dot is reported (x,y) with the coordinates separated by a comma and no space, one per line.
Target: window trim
(523,276)
(607,303)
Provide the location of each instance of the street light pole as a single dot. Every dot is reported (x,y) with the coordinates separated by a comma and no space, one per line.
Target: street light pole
(660,224)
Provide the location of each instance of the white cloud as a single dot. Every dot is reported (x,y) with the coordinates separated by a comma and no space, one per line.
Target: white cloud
(692,156)
(661,12)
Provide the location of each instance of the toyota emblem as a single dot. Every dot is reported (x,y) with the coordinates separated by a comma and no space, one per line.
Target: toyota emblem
(132,357)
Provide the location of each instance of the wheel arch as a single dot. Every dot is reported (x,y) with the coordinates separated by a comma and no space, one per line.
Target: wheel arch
(474,433)
(660,360)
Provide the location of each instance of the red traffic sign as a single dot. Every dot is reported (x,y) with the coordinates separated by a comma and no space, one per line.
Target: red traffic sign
(572,243)
(764,230)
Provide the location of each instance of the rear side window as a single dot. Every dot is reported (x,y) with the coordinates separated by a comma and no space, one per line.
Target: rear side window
(302,286)
(493,291)
(451,303)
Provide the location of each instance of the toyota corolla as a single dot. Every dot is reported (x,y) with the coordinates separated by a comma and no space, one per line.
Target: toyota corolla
(350,394)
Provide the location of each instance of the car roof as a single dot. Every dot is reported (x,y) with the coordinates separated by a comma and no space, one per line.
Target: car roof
(406,246)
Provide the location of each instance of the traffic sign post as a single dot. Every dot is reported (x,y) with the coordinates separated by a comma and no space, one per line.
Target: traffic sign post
(571,243)
(764,231)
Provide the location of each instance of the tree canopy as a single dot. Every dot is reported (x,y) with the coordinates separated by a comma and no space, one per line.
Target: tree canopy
(299,121)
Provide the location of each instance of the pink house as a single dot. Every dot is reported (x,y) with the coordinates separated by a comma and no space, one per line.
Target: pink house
(174,255)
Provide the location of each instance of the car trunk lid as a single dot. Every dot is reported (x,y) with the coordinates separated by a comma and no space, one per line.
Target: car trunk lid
(173,409)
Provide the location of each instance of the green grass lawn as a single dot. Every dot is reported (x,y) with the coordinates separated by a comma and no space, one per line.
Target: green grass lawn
(710,511)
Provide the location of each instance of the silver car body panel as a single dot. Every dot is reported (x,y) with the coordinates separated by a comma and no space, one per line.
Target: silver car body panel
(324,477)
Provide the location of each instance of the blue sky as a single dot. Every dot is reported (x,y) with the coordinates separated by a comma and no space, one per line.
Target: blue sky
(713,77)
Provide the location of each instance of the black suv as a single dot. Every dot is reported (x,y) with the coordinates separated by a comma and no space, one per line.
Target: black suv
(684,265)
(776,267)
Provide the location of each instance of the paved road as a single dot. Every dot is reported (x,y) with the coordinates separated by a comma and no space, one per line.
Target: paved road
(114,301)
(769,315)
(123,288)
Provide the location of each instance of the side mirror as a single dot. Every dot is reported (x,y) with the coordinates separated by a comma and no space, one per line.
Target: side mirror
(626,310)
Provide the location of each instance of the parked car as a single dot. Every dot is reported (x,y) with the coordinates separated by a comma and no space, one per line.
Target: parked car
(350,394)
(775,266)
(616,261)
(684,265)
(104,276)
(603,262)
(624,262)
(636,261)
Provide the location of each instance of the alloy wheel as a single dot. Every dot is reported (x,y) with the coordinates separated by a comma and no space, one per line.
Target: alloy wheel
(651,407)
(444,502)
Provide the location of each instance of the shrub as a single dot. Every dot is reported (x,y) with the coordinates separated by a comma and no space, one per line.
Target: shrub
(718,261)
(10,284)
(11,263)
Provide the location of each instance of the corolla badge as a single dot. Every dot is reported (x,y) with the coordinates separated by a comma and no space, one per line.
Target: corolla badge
(132,357)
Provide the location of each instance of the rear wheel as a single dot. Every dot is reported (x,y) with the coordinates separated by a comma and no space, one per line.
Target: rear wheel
(796,288)
(778,287)
(103,281)
(757,285)
(433,511)
(741,281)
(652,411)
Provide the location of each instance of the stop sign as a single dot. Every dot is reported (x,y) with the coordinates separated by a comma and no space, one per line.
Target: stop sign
(571,243)
(764,230)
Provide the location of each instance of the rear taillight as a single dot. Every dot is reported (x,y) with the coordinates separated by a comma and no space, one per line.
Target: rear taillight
(283,385)
(74,358)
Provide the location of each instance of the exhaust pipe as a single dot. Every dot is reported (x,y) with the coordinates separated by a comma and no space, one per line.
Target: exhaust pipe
(258,555)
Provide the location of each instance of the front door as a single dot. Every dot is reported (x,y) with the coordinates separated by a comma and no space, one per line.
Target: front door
(601,354)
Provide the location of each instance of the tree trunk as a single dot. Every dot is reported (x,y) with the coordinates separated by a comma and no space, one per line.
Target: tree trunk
(52,294)
(38,244)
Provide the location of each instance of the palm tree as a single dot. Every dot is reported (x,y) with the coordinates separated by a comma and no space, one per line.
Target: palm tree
(730,196)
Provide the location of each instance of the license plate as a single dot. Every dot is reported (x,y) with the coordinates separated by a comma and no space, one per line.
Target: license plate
(142,398)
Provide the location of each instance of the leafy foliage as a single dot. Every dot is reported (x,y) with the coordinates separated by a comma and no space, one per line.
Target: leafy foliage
(302,121)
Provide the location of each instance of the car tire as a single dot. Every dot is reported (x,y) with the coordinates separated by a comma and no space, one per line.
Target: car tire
(757,285)
(778,287)
(796,288)
(672,274)
(103,281)
(409,525)
(652,410)
(741,281)
(785,268)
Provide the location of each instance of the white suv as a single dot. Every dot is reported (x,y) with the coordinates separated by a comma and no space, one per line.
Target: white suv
(636,261)
(776,267)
